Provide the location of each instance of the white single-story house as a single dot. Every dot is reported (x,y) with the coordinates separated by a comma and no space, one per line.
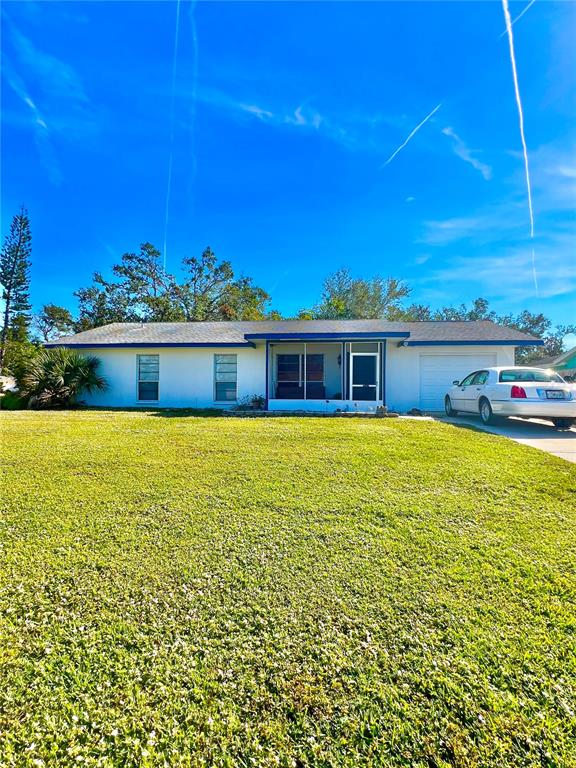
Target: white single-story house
(312,365)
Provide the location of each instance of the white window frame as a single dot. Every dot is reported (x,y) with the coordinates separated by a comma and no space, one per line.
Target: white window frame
(139,381)
(215,382)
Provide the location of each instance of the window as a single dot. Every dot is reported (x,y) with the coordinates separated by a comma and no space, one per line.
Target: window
(530,374)
(288,367)
(480,378)
(364,346)
(225,377)
(148,376)
(291,368)
(468,380)
(314,367)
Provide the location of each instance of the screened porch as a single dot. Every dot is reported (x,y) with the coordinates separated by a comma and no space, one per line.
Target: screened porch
(325,372)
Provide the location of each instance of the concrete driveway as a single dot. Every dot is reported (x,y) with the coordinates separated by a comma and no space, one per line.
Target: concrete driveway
(534,432)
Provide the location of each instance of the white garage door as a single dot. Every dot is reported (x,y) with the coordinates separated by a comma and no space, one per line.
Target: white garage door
(437,372)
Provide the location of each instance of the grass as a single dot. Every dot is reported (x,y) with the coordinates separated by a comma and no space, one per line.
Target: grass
(193,591)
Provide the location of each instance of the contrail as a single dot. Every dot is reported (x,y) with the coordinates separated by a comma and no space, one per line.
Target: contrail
(523,138)
(193,98)
(171,156)
(522,12)
(393,155)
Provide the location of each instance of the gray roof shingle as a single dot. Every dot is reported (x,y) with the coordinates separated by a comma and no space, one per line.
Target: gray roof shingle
(234,332)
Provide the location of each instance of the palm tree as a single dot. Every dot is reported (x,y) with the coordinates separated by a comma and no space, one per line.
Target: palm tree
(56,377)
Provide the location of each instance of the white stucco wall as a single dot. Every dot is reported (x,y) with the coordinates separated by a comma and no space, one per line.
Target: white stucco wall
(186,375)
(403,369)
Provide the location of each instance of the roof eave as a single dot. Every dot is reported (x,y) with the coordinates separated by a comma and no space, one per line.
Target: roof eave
(147,344)
(472,342)
(299,336)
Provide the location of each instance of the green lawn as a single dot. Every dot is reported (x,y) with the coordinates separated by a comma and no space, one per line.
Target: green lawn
(187,591)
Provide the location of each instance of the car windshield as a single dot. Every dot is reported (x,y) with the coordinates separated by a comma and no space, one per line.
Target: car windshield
(530,374)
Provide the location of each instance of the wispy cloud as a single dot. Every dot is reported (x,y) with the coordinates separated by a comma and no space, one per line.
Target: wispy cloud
(54,77)
(507,275)
(411,135)
(554,177)
(51,92)
(499,260)
(42,133)
(302,117)
(465,153)
(259,112)
(480,227)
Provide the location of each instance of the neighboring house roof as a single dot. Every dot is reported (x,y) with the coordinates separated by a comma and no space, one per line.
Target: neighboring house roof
(240,333)
(564,362)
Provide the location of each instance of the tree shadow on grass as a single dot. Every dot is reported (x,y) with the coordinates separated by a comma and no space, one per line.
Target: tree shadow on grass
(171,413)
(166,413)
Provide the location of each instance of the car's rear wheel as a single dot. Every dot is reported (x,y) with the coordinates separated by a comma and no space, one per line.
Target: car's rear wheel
(486,414)
(448,407)
(564,423)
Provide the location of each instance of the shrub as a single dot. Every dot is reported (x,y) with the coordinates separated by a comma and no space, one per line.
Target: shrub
(57,377)
(11,401)
(251,403)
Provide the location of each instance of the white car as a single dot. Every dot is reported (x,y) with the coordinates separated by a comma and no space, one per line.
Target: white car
(514,391)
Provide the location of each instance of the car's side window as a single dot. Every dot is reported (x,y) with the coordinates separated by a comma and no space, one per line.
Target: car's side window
(480,378)
(468,380)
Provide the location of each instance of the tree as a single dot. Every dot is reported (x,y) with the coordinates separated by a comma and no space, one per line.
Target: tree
(18,357)
(148,289)
(53,321)
(144,292)
(479,310)
(542,327)
(534,324)
(412,313)
(15,281)
(210,291)
(57,377)
(347,298)
(102,303)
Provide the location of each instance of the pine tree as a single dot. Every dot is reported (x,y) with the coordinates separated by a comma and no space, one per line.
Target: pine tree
(15,282)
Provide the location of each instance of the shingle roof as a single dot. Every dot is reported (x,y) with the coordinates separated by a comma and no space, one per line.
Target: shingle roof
(233,332)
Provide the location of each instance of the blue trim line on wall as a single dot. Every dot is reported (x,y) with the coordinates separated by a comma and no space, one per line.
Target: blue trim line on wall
(346,364)
(267,374)
(383,373)
(339,336)
(484,343)
(156,344)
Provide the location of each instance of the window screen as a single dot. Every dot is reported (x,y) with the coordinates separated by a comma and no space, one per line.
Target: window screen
(288,367)
(148,376)
(314,367)
(225,377)
(291,368)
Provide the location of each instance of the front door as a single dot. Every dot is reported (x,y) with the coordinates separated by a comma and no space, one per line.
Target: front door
(364,376)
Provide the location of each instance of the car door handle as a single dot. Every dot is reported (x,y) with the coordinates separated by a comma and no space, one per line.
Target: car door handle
(478,387)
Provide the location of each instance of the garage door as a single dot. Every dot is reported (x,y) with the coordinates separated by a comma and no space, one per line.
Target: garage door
(437,372)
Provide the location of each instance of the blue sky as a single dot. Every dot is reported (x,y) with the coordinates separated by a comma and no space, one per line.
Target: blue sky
(284,115)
